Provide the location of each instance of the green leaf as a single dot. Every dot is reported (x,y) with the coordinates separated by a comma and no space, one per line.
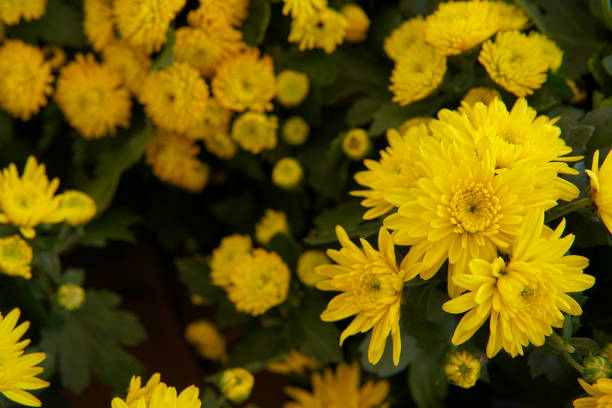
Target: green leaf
(195,273)
(365,230)
(235,211)
(73,275)
(558,84)
(391,115)
(255,26)
(601,119)
(426,378)
(259,346)
(227,316)
(166,57)
(585,345)
(6,127)
(114,225)
(541,363)
(320,67)
(385,367)
(348,214)
(600,71)
(606,8)
(577,137)
(286,247)
(362,111)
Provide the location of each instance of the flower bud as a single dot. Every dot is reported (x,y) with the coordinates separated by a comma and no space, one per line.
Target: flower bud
(236,384)
(596,367)
(462,369)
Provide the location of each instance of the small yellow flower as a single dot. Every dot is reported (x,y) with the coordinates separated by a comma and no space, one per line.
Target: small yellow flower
(287,173)
(462,369)
(215,119)
(207,340)
(324,29)
(131,63)
(12,11)
(236,384)
(484,95)
(294,362)
(227,12)
(136,391)
(157,394)
(600,394)
(358,22)
(98,23)
(407,125)
(295,131)
(601,188)
(221,145)
(302,8)
(225,256)
(291,88)
(306,264)
(548,50)
(77,208)
(272,223)
(512,16)
(409,33)
(70,296)
(596,367)
(15,256)
(255,131)
(356,144)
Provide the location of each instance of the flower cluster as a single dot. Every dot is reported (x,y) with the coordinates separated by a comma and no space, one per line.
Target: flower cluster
(157,394)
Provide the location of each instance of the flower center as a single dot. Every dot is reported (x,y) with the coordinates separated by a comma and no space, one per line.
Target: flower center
(528,294)
(513,135)
(473,208)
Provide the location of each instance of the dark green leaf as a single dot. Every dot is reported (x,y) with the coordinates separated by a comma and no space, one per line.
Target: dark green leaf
(320,67)
(255,26)
(541,363)
(427,380)
(558,84)
(585,345)
(317,338)
(195,273)
(227,316)
(6,127)
(589,232)
(362,111)
(601,119)
(114,225)
(166,57)
(577,137)
(385,367)
(606,9)
(256,348)
(286,247)
(235,211)
(73,275)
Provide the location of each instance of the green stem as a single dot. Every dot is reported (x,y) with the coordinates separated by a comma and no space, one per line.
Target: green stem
(562,210)
(572,362)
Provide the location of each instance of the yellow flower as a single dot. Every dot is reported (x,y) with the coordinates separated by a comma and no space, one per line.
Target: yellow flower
(225,256)
(356,144)
(601,180)
(25,79)
(207,340)
(512,16)
(175,97)
(15,257)
(306,264)
(291,88)
(303,8)
(417,74)
(215,119)
(231,12)
(600,394)
(404,127)
(236,384)
(11,11)
(221,145)
(458,26)
(19,371)
(136,391)
(295,131)
(272,223)
(92,97)
(157,394)
(371,286)
(358,22)
(70,296)
(524,297)
(339,389)
(255,131)
(259,282)
(293,363)
(287,173)
(515,61)
(409,33)
(462,369)
(325,29)
(98,23)
(144,23)
(132,64)
(548,50)
(245,81)
(76,207)
(481,94)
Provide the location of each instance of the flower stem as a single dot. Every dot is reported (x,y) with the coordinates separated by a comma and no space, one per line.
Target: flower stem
(572,362)
(562,210)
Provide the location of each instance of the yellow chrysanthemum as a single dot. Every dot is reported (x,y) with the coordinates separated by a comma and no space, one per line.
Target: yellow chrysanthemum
(11,11)
(291,88)
(417,74)
(245,81)
(371,286)
(306,264)
(325,29)
(207,340)
(601,188)
(409,33)
(136,391)
(19,371)
(303,8)
(131,63)
(287,173)
(524,297)
(225,256)
(76,207)
(548,50)
(55,55)
(92,97)
(98,23)
(512,16)
(515,61)
(481,94)
(215,119)
(221,145)
(157,394)
(15,257)
(236,384)
(295,131)
(358,22)
(462,369)
(175,97)
(600,394)
(458,26)
(25,79)
(255,131)
(231,12)
(144,23)
(272,223)
(70,296)
(295,362)
(356,144)
(405,126)
(259,282)
(339,389)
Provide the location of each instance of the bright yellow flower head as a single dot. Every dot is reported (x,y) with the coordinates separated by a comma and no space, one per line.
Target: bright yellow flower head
(356,144)
(404,127)
(19,371)
(515,61)
(306,264)
(512,16)
(221,145)
(417,74)
(287,173)
(207,340)
(600,394)
(295,131)
(481,94)
(131,63)
(303,8)
(11,11)
(76,207)
(548,50)
(295,362)
(462,369)
(269,225)
(291,88)
(98,23)
(524,297)
(358,22)
(157,394)
(25,79)
(325,29)
(228,12)
(136,391)
(409,33)
(236,384)
(215,119)
(70,296)
(92,97)
(601,188)
(259,282)
(339,389)
(15,257)
(245,81)
(255,131)
(225,256)
(371,286)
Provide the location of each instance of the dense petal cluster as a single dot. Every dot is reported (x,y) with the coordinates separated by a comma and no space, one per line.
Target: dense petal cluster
(601,188)
(98,23)
(207,340)
(215,119)
(225,257)
(295,131)
(356,144)
(157,394)
(272,223)
(15,256)
(291,88)
(295,362)
(462,369)
(236,384)
(410,32)
(255,131)
(358,22)
(325,29)
(287,173)
(600,394)
(12,11)
(70,296)
(131,63)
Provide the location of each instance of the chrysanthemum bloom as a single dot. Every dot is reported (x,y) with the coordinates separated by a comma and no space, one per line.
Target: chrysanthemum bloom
(136,391)
(175,97)
(356,144)
(405,126)
(358,22)
(25,79)
(98,23)
(221,145)
(92,97)
(371,284)
(15,256)
(596,367)
(259,282)
(303,8)
(512,16)
(325,29)
(480,94)
(76,207)
(55,56)
(70,296)
(295,131)
(601,191)
(255,131)
(462,369)
(11,11)
(207,340)
(287,173)
(245,81)
(214,119)
(225,256)
(236,384)
(231,12)
(600,394)
(417,74)
(272,223)
(409,33)
(295,362)
(291,88)
(19,371)
(306,264)
(144,23)
(339,389)
(548,50)
(515,61)
(131,63)
(157,394)
(524,297)
(458,26)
